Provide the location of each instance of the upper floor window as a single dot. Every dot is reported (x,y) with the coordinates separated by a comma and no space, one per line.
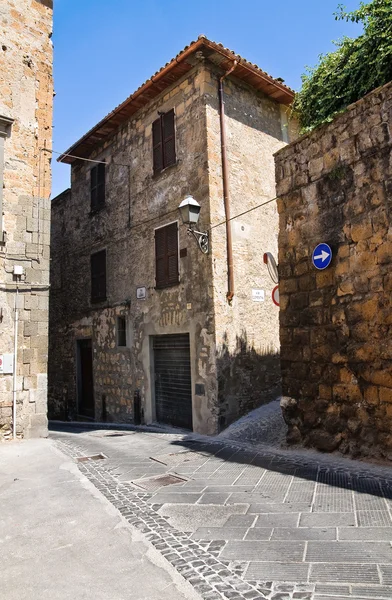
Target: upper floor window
(97,186)
(166,255)
(164,141)
(98,276)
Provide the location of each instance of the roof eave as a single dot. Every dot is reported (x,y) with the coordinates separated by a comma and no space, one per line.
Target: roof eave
(281,94)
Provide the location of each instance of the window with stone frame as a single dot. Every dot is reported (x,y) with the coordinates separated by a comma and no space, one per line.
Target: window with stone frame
(97,187)
(164,141)
(166,256)
(98,276)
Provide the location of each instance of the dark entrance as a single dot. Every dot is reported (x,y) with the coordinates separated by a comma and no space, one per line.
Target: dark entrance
(85,379)
(173,389)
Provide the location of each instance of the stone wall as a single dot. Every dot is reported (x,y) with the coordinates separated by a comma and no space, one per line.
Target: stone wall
(247,332)
(335,186)
(234,349)
(186,308)
(26,94)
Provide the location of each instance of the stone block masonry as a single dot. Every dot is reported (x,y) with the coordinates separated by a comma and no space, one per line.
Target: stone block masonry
(233,362)
(335,186)
(26,94)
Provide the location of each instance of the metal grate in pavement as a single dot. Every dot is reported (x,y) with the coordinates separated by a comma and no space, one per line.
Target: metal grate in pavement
(151,484)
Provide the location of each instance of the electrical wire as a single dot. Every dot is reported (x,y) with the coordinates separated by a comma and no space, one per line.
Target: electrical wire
(81,157)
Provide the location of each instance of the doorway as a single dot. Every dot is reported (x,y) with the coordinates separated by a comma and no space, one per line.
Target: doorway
(173,388)
(85,382)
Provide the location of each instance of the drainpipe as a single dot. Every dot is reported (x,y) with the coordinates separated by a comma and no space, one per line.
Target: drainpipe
(16,322)
(226,190)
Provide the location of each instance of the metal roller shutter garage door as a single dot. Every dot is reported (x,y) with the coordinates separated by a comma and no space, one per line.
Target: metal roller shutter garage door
(173,388)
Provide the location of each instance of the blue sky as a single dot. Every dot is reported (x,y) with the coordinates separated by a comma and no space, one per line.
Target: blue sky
(104,50)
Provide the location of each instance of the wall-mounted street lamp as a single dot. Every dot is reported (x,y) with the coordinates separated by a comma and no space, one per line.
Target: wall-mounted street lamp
(190,213)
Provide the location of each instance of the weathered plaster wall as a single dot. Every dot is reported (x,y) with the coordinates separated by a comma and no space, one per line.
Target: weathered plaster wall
(26,94)
(186,308)
(335,186)
(247,332)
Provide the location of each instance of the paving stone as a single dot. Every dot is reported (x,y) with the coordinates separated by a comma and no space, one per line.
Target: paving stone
(386,574)
(250,475)
(279,508)
(259,533)
(175,498)
(303,533)
(369,502)
(375,534)
(240,521)
(264,551)
(227,489)
(332,590)
(343,573)
(301,492)
(278,571)
(277,520)
(374,518)
(317,597)
(372,552)
(327,520)
(214,498)
(377,591)
(333,503)
(219,533)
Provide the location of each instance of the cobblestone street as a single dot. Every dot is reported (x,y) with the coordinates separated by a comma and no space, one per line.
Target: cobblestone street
(238,522)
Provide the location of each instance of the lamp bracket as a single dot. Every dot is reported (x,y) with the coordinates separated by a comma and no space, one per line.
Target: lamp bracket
(201,238)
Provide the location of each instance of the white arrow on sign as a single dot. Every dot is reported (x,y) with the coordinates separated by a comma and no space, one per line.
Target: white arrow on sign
(323,256)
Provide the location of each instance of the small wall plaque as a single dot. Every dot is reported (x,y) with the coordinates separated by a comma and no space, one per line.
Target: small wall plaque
(141,293)
(258,295)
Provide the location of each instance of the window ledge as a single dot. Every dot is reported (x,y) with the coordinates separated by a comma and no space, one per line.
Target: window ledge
(166,169)
(98,300)
(166,286)
(97,210)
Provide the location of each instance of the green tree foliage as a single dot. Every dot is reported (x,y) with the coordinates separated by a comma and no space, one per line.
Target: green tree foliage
(356,67)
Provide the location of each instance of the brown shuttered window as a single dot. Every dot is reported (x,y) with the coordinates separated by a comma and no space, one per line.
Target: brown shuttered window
(164,141)
(166,255)
(97,186)
(98,276)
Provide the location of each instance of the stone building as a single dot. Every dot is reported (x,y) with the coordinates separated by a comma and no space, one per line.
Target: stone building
(335,186)
(137,310)
(26,95)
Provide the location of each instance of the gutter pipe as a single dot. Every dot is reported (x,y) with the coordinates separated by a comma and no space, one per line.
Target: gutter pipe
(226,187)
(16,323)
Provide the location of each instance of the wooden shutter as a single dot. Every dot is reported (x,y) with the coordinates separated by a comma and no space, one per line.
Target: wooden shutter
(160,257)
(169,141)
(157,145)
(97,186)
(101,185)
(166,255)
(98,276)
(93,187)
(172,253)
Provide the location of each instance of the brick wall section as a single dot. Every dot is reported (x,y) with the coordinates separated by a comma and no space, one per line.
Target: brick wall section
(26,95)
(335,186)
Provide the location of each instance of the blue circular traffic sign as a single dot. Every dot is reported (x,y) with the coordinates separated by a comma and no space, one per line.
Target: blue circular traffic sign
(322,256)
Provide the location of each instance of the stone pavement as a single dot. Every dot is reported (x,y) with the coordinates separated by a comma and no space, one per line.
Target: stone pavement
(61,539)
(249,523)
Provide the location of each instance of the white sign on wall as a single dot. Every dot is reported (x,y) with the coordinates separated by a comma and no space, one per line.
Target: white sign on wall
(258,295)
(141,293)
(6,363)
